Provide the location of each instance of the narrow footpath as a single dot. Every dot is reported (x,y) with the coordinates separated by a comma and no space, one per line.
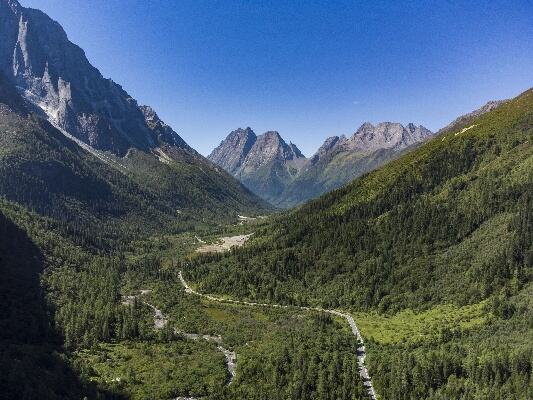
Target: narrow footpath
(361,352)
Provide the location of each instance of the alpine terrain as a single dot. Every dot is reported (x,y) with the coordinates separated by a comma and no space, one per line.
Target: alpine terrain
(76,146)
(133,267)
(433,253)
(265,164)
(280,174)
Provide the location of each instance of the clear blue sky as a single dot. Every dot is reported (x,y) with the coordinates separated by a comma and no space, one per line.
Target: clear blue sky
(308,69)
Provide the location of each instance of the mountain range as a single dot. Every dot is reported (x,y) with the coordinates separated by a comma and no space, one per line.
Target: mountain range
(265,164)
(442,233)
(279,173)
(423,246)
(77,146)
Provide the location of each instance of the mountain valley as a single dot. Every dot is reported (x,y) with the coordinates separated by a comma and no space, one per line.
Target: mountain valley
(395,263)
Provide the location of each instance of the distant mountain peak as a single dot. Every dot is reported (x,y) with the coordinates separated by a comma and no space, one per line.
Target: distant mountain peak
(232,151)
(371,137)
(249,157)
(269,166)
(271,146)
(341,159)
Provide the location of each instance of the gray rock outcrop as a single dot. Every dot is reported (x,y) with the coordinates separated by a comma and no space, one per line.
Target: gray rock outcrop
(55,76)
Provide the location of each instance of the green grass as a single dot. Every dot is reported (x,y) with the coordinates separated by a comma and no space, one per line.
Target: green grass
(155,370)
(408,326)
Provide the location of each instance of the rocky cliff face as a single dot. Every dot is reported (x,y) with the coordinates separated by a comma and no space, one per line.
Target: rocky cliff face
(56,77)
(42,71)
(264,163)
(269,147)
(369,138)
(279,173)
(232,151)
(341,159)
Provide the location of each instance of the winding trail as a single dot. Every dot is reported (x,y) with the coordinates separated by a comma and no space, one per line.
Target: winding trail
(160,321)
(361,351)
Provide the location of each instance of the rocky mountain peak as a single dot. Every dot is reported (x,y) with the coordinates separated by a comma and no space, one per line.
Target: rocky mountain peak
(329,144)
(262,162)
(232,151)
(55,76)
(243,133)
(411,127)
(386,135)
(268,147)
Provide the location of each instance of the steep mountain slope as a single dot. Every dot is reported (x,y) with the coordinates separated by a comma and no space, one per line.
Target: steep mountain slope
(341,159)
(101,159)
(57,78)
(44,170)
(265,163)
(466,119)
(449,223)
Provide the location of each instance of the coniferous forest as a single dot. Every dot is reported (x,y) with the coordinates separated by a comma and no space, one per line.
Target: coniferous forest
(449,223)
(133,267)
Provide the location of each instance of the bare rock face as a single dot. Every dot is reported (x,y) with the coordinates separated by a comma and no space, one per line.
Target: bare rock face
(386,135)
(232,151)
(279,173)
(56,77)
(269,147)
(264,163)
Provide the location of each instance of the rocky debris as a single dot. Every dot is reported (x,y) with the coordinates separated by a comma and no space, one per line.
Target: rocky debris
(224,244)
(54,75)
(231,362)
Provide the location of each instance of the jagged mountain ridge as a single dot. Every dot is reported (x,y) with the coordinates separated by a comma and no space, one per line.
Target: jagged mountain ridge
(76,146)
(55,75)
(265,163)
(341,159)
(369,138)
(463,120)
(279,173)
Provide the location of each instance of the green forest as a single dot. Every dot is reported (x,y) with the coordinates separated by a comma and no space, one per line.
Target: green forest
(449,223)
(432,254)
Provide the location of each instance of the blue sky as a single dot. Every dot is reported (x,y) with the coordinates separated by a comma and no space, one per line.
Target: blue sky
(308,69)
